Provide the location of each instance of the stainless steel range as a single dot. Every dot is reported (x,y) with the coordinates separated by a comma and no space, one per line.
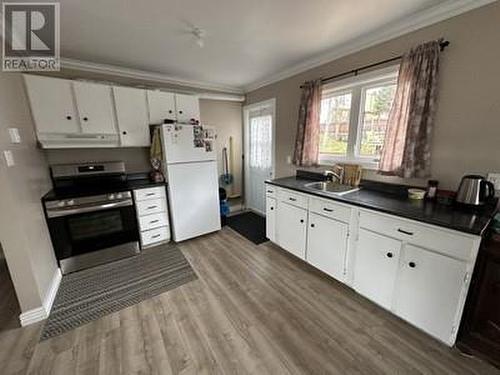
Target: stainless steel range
(91,215)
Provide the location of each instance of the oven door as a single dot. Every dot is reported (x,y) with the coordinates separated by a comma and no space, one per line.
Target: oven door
(84,236)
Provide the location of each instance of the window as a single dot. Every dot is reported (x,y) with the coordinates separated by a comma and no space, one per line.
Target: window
(354,115)
(260,141)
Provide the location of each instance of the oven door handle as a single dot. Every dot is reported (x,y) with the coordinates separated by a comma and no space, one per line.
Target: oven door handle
(82,209)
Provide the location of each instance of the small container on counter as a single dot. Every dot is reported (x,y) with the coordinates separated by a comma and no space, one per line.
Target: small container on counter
(432,189)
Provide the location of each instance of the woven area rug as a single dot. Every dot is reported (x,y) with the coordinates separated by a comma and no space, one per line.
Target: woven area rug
(249,225)
(90,294)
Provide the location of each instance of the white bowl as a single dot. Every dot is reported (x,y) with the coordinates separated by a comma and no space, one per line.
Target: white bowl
(416,194)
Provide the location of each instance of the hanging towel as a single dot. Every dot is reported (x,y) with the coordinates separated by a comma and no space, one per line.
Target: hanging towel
(155,152)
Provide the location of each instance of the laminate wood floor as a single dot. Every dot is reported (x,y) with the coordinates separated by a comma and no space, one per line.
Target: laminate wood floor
(253,310)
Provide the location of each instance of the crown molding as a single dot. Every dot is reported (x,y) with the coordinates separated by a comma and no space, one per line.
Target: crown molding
(114,70)
(441,12)
(223,97)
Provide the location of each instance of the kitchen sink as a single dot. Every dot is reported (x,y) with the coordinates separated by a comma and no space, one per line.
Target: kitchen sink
(331,187)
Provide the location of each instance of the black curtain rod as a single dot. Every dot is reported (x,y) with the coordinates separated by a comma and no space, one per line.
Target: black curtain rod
(442,45)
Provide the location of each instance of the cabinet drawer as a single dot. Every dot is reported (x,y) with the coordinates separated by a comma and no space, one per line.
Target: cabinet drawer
(442,241)
(153,221)
(270,191)
(155,235)
(293,198)
(151,206)
(330,209)
(149,193)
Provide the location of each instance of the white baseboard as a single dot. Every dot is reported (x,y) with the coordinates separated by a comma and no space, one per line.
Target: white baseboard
(40,313)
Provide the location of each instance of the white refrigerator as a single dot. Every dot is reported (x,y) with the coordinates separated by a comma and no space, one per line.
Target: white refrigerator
(190,168)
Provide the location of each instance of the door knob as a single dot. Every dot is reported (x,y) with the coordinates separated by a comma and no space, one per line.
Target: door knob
(301,220)
(412,264)
(389,255)
(68,117)
(312,225)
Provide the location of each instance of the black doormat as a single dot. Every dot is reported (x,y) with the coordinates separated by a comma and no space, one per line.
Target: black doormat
(90,294)
(249,225)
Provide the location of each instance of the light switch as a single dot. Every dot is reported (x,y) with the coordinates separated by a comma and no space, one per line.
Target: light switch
(9,158)
(15,137)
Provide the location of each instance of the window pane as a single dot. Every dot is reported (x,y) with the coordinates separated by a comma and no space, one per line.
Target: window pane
(378,101)
(260,142)
(334,124)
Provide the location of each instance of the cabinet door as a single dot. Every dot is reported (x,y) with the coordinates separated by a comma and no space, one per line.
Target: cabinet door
(95,108)
(161,106)
(271,218)
(429,290)
(376,267)
(52,105)
(132,115)
(327,245)
(291,227)
(187,107)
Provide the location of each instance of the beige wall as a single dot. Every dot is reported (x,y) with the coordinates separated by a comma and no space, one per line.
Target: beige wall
(23,231)
(467,128)
(226,117)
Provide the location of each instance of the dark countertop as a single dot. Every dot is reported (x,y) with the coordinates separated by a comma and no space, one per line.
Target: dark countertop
(132,183)
(468,220)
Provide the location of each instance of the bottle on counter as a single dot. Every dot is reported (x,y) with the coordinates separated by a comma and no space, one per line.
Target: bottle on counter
(432,187)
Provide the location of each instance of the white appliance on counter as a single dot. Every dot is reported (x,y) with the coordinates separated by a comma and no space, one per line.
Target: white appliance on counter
(190,168)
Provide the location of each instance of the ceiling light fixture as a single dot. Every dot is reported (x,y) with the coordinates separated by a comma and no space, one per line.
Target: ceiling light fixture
(199,34)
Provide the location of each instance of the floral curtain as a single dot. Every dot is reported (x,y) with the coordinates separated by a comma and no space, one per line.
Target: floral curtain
(307,140)
(406,152)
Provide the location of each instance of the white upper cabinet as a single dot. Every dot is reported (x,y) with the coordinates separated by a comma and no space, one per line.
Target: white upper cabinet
(429,290)
(376,267)
(327,245)
(52,105)
(95,108)
(187,108)
(161,106)
(132,115)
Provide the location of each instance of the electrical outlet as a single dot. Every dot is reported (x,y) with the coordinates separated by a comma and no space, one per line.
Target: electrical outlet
(494,178)
(9,158)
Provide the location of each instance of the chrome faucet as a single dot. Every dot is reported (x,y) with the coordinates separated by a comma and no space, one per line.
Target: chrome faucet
(330,175)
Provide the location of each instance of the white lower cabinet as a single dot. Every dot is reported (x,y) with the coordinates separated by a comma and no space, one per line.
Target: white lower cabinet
(291,228)
(376,267)
(271,218)
(429,289)
(418,271)
(327,245)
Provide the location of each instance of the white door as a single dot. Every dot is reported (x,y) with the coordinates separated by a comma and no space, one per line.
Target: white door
(187,107)
(291,229)
(132,115)
(95,108)
(327,245)
(52,105)
(376,267)
(259,153)
(271,218)
(429,290)
(193,197)
(161,106)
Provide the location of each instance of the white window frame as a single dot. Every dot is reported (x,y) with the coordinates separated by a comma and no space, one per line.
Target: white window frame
(357,86)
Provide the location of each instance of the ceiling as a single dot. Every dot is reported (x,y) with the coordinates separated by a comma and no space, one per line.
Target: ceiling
(246,41)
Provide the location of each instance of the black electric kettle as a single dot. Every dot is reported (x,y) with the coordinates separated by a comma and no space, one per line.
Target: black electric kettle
(475,190)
